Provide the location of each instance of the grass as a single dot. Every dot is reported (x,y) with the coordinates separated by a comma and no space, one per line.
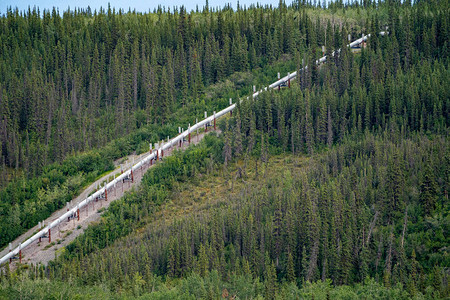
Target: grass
(68,233)
(49,245)
(207,190)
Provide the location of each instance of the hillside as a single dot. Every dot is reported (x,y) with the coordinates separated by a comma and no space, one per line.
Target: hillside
(334,188)
(93,91)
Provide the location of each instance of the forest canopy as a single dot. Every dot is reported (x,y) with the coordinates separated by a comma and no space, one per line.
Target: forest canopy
(336,187)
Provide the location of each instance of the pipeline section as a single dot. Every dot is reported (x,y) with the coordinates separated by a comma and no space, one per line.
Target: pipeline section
(158,153)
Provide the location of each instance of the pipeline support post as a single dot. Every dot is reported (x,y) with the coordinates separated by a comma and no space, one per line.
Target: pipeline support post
(20,252)
(132,177)
(170,145)
(10,249)
(49,235)
(289,80)
(157,154)
(231,111)
(78,213)
(206,125)
(279,76)
(189,133)
(214,120)
(196,122)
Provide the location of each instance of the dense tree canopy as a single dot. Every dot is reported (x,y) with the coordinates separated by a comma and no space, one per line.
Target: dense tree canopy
(335,188)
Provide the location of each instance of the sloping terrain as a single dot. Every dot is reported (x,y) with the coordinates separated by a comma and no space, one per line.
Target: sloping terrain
(43,252)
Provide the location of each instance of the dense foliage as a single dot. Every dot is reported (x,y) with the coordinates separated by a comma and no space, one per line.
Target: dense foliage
(25,202)
(358,204)
(196,287)
(76,81)
(103,83)
(333,218)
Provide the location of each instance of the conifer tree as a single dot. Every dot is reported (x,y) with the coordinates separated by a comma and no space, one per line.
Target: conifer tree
(270,279)
(309,130)
(290,268)
(329,129)
(428,190)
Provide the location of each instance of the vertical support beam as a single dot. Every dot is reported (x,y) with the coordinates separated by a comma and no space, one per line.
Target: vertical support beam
(106,194)
(157,154)
(49,235)
(289,80)
(132,176)
(231,112)
(196,121)
(20,252)
(78,213)
(114,187)
(214,120)
(189,133)
(206,125)
(279,76)
(180,141)
(121,169)
(10,249)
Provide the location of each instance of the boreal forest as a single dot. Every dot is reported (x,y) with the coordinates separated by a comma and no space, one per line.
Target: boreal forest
(333,187)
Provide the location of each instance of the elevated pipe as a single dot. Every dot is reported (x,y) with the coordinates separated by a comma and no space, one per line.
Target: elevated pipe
(153,155)
(320,60)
